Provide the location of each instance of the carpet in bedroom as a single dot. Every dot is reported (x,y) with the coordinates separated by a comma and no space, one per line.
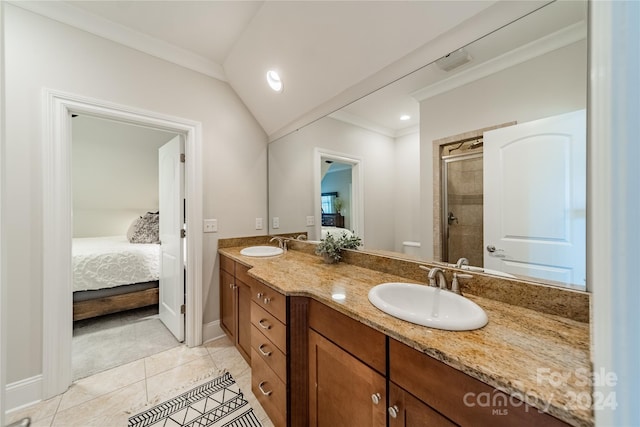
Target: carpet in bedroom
(113,340)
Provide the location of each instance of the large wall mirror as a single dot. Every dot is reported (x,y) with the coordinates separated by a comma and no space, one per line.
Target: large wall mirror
(402,138)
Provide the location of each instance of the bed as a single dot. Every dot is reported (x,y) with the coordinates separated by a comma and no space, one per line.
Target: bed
(110,274)
(335,232)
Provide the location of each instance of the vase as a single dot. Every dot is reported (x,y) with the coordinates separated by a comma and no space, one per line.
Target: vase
(328,259)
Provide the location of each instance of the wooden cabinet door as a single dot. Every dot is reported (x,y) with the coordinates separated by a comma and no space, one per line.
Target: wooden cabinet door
(228,304)
(244,319)
(407,411)
(342,388)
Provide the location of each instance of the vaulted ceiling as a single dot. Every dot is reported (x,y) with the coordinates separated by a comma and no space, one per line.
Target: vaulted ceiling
(322,49)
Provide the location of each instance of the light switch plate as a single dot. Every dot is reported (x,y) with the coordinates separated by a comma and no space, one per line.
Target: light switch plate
(311,220)
(210,225)
(275,223)
(258,223)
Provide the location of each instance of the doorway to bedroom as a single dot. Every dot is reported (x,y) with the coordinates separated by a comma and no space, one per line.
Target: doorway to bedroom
(116,180)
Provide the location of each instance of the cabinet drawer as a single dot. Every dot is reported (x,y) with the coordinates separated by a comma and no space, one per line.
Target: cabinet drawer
(360,340)
(269,353)
(270,391)
(227,264)
(272,301)
(269,326)
(449,391)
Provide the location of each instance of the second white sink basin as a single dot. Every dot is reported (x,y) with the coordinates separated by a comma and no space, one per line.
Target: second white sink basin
(261,251)
(428,306)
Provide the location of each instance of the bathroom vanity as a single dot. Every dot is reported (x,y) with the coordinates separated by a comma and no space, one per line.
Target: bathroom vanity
(323,355)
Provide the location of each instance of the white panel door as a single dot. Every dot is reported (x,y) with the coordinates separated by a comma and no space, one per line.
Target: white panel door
(535,198)
(171,186)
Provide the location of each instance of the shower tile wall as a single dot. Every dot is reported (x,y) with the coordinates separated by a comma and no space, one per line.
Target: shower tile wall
(464,183)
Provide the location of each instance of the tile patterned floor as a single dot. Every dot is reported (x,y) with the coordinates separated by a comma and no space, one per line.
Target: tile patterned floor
(109,398)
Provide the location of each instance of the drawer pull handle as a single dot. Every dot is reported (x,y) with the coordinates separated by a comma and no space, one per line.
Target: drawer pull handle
(393,411)
(264,353)
(375,397)
(267,300)
(260,295)
(266,393)
(264,325)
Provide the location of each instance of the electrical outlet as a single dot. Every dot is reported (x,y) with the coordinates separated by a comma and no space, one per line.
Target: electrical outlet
(258,223)
(210,225)
(275,222)
(311,220)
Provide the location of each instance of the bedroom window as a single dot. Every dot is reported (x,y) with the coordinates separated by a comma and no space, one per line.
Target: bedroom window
(328,202)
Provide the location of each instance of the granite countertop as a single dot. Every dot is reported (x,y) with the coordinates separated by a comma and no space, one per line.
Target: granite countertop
(543,359)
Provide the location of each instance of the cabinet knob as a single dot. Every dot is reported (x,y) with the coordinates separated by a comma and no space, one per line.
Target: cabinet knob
(375,398)
(393,411)
(230,285)
(264,324)
(267,300)
(262,390)
(260,295)
(264,353)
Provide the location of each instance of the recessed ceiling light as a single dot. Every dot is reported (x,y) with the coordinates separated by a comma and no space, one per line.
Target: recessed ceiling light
(273,78)
(404,117)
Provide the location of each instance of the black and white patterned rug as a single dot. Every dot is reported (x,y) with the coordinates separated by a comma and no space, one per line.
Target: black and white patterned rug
(216,403)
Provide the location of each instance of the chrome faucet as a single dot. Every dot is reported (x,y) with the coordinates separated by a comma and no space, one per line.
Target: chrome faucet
(282,242)
(436,274)
(461,262)
(301,237)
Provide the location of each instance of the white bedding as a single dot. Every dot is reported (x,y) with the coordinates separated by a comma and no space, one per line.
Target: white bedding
(106,262)
(335,232)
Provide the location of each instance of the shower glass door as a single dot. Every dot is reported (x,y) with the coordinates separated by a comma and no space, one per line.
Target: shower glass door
(462,205)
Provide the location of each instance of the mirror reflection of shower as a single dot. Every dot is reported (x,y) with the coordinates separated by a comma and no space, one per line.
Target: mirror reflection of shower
(462,201)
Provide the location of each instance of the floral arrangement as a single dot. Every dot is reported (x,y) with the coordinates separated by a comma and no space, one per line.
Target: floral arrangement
(337,203)
(331,247)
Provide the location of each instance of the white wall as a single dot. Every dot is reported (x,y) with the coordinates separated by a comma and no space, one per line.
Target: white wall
(3,299)
(291,177)
(42,53)
(115,175)
(408,221)
(551,84)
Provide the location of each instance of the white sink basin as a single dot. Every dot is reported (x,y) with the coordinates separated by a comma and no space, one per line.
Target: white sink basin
(428,306)
(261,251)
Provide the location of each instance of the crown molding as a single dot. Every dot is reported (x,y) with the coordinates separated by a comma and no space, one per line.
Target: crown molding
(541,46)
(352,119)
(78,18)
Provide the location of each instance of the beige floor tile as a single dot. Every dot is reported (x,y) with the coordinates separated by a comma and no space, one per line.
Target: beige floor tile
(111,397)
(218,344)
(172,358)
(109,410)
(169,383)
(100,384)
(45,422)
(36,412)
(230,359)
(266,422)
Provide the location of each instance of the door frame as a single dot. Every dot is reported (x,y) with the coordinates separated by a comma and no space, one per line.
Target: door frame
(57,224)
(438,146)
